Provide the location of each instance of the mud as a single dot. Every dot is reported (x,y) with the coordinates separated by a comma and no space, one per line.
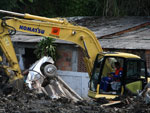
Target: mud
(25,101)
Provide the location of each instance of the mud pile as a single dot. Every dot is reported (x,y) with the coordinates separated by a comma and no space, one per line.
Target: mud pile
(26,101)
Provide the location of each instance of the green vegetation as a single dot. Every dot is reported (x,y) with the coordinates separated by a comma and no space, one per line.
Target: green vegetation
(46,47)
(66,8)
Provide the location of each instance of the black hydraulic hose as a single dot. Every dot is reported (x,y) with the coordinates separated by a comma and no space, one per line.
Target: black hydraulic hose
(4,24)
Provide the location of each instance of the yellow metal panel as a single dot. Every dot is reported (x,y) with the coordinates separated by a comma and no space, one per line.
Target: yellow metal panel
(96,95)
(148,79)
(134,86)
(124,55)
(43,18)
(0,59)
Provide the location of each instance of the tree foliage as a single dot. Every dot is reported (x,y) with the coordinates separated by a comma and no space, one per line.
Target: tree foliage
(46,47)
(63,8)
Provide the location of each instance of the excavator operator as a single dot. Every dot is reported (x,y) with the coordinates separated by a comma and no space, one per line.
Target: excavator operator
(113,79)
(118,72)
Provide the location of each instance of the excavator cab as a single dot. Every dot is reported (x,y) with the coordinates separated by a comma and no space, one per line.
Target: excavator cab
(109,81)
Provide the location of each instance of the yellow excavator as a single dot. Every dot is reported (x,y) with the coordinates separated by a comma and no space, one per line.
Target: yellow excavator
(99,64)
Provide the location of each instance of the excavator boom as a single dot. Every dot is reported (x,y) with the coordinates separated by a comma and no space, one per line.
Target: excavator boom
(54,28)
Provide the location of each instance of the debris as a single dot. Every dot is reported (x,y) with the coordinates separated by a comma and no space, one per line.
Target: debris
(111,103)
(127,101)
(43,78)
(146,93)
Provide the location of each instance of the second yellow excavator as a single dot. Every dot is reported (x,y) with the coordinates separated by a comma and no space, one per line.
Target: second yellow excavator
(100,65)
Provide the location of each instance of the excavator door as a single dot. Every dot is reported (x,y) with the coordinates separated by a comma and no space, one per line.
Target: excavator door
(136,76)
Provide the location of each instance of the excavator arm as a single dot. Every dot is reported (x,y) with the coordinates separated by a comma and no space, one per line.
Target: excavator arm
(56,28)
(8,50)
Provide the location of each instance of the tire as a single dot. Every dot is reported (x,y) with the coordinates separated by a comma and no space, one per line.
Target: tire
(49,70)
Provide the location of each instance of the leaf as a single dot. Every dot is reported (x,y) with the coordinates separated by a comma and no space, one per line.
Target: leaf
(46,47)
(30,1)
(21,1)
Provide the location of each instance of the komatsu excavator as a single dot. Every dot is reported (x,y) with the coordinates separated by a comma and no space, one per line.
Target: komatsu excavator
(99,64)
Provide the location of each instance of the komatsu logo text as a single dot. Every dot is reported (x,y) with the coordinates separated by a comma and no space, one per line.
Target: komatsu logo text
(36,30)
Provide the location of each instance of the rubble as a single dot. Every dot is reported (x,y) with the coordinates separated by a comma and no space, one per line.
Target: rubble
(26,101)
(14,100)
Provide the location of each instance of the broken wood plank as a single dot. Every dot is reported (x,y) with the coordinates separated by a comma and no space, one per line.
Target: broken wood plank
(111,103)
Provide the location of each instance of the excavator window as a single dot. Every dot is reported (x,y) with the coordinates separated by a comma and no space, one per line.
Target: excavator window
(136,77)
(135,69)
(96,72)
(111,75)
